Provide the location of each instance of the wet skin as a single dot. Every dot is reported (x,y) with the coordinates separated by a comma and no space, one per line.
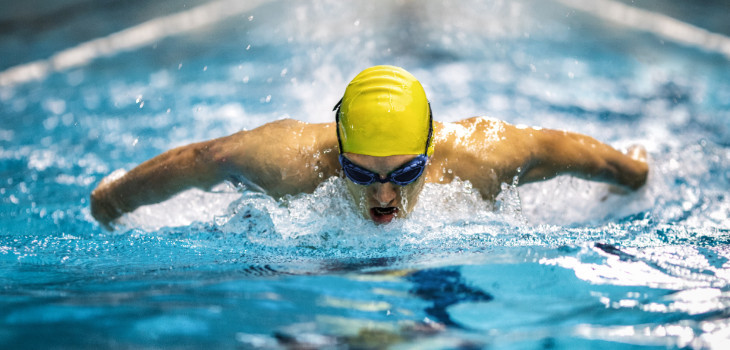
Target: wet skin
(484,151)
(382,202)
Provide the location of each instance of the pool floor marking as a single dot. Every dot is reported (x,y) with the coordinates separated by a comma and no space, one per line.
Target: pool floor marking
(656,23)
(129,39)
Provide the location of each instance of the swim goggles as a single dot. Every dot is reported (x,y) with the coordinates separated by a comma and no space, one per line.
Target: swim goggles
(404,175)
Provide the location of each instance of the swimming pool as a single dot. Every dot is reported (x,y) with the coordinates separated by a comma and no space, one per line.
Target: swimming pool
(91,88)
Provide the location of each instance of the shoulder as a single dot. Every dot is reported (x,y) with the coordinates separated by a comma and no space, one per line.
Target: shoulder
(296,129)
(279,126)
(285,132)
(283,157)
(480,127)
(483,150)
(476,133)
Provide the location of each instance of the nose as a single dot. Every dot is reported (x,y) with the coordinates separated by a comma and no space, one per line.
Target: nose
(384,193)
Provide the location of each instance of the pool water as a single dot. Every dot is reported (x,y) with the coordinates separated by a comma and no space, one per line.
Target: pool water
(562,264)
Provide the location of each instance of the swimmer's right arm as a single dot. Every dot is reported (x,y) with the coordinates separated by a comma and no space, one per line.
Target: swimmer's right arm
(282,157)
(156,180)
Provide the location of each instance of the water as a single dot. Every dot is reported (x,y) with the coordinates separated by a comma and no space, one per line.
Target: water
(560,264)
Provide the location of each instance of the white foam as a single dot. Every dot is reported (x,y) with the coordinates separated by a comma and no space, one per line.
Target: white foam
(185,208)
(447,217)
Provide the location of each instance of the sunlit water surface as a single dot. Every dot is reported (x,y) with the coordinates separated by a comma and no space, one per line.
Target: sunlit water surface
(561,264)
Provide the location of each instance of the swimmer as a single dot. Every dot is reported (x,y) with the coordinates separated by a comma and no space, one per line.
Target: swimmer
(386,145)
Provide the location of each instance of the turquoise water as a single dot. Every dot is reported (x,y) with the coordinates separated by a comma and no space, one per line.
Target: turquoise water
(562,264)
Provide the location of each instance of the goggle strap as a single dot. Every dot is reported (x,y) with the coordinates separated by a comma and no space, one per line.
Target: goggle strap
(430,127)
(337,122)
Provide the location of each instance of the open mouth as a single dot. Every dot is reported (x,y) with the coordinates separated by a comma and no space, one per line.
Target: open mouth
(383,215)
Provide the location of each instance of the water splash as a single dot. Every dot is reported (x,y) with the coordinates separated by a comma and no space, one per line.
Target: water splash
(448,217)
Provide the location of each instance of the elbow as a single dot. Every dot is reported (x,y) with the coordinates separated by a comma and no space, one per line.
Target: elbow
(103,209)
(641,177)
(634,177)
(639,167)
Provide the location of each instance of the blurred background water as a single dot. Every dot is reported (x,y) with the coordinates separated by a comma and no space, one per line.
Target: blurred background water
(88,87)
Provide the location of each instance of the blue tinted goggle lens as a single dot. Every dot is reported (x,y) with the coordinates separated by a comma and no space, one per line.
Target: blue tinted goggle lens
(402,176)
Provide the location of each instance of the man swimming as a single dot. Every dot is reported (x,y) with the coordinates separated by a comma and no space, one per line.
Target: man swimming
(385,143)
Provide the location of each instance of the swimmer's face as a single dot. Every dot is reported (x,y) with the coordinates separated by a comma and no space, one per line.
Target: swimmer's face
(382,202)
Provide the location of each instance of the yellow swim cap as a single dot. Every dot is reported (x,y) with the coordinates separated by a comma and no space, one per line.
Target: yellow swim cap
(385,112)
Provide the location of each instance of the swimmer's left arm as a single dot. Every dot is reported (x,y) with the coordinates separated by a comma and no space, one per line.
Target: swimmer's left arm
(559,152)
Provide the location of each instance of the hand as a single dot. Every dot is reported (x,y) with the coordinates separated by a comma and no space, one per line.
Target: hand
(636,152)
(103,207)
